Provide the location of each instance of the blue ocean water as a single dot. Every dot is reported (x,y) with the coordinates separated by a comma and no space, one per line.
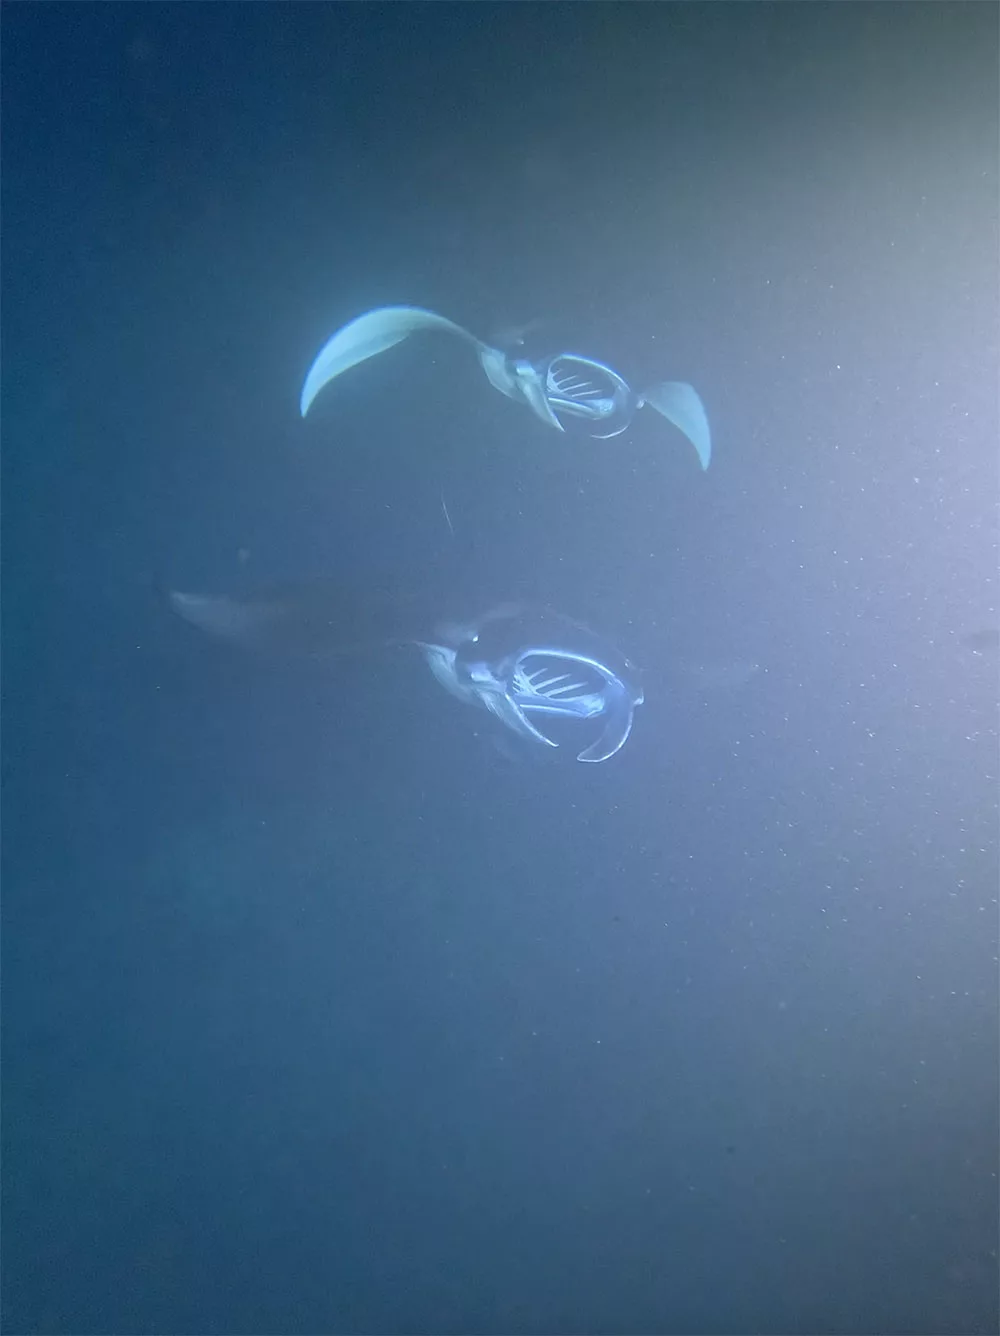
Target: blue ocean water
(321,1015)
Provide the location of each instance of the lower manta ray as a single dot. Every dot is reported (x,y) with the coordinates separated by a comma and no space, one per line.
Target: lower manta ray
(564,388)
(544,677)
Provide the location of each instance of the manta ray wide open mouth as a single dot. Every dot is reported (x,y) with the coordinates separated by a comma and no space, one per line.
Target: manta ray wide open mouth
(558,684)
(582,387)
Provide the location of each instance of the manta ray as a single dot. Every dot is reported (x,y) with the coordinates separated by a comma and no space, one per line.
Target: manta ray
(565,390)
(545,678)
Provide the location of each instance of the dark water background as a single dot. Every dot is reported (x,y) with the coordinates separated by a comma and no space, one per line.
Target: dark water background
(318,1015)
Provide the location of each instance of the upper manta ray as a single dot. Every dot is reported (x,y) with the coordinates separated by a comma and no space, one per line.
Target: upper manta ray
(545,677)
(560,389)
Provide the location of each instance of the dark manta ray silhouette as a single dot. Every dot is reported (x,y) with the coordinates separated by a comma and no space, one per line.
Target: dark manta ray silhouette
(563,389)
(544,677)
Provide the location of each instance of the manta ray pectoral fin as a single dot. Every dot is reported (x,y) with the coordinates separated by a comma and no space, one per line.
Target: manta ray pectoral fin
(315,619)
(243,623)
(679,403)
(369,334)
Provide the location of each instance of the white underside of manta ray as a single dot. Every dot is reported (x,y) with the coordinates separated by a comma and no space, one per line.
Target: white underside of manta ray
(561,389)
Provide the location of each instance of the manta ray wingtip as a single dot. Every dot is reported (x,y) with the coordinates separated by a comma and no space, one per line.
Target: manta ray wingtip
(365,337)
(681,404)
